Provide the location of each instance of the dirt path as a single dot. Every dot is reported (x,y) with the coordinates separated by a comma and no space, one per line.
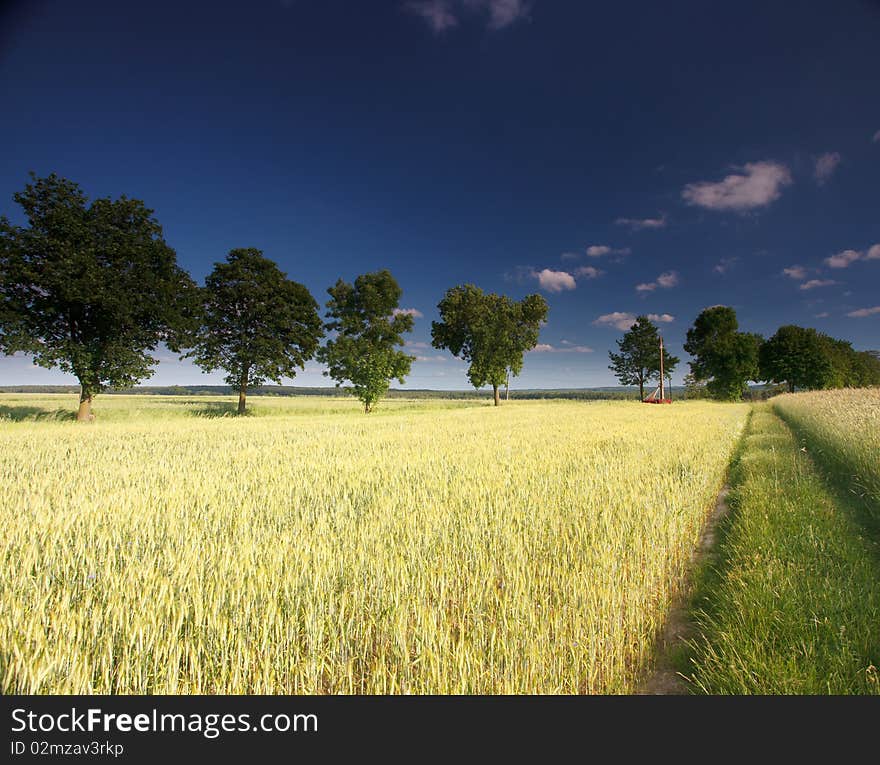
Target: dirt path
(664,679)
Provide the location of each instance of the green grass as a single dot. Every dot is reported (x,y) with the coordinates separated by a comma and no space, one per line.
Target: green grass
(791,602)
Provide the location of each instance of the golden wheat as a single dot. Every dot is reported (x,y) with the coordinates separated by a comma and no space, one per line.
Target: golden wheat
(532,548)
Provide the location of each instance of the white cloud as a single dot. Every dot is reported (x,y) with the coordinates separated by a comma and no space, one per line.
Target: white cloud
(547,348)
(599,250)
(757,184)
(624,320)
(589,272)
(437,14)
(843,259)
(665,280)
(847,257)
(795,272)
(416,344)
(862,312)
(876,138)
(724,265)
(440,359)
(443,15)
(825,166)
(637,224)
(823,315)
(502,13)
(569,256)
(813,283)
(555,281)
(414,312)
(618,319)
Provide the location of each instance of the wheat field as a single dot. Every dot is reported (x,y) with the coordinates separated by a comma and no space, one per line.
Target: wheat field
(842,427)
(431,547)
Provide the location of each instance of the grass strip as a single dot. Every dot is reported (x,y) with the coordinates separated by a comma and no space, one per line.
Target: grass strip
(790,603)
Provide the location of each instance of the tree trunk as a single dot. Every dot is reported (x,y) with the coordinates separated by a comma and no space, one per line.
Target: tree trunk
(84,414)
(495,393)
(791,387)
(242,395)
(641,390)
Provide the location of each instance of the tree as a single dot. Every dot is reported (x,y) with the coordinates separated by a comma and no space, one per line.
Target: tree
(866,368)
(89,288)
(639,357)
(799,357)
(369,327)
(254,322)
(491,332)
(723,357)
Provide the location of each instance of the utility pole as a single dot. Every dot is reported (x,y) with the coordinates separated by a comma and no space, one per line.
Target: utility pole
(661,368)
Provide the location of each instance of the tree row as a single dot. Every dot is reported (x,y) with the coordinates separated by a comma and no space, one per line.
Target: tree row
(725,360)
(92,288)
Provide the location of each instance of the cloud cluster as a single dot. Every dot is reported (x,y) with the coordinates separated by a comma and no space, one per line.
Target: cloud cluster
(444,15)
(551,280)
(414,312)
(757,184)
(848,257)
(665,280)
(555,281)
(825,167)
(437,14)
(624,320)
(637,224)
(569,348)
(600,250)
(724,265)
(795,272)
(861,313)
(813,283)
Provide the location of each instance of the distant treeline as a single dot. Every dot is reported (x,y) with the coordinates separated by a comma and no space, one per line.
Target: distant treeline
(587,394)
(754,392)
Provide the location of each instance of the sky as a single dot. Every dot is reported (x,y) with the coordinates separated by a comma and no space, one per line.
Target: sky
(618,158)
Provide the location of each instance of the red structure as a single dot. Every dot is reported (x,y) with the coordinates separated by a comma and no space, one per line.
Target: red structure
(658,396)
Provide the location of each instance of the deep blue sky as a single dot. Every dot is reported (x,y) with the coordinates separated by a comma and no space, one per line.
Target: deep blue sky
(484,141)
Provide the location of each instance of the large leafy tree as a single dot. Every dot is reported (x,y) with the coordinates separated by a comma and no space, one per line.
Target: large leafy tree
(638,360)
(491,332)
(798,357)
(369,327)
(89,288)
(725,358)
(865,368)
(254,323)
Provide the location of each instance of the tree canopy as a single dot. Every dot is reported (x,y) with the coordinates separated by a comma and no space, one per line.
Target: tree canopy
(89,288)
(369,329)
(638,360)
(805,358)
(797,357)
(254,322)
(492,332)
(723,357)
